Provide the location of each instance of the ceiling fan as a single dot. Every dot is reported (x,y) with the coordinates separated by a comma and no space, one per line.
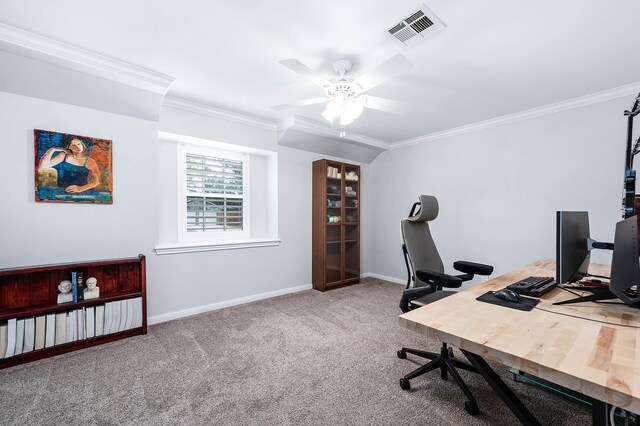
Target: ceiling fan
(343,95)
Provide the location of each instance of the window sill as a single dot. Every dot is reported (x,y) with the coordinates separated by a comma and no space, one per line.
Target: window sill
(214,246)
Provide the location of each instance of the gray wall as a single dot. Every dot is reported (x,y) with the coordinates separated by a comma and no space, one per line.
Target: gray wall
(39,233)
(499,188)
(191,280)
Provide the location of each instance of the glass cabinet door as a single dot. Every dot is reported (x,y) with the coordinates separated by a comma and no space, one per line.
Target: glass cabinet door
(333,251)
(351,252)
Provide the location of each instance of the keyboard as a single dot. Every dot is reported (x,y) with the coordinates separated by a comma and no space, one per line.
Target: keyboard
(533,286)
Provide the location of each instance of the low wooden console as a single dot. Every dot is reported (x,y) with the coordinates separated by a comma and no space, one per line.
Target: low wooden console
(32,292)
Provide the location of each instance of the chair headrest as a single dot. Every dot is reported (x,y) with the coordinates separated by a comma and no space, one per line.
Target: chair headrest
(428,209)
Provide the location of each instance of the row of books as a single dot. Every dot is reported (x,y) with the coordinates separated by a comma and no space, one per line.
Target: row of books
(21,335)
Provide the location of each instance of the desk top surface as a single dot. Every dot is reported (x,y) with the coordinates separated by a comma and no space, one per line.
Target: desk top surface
(598,359)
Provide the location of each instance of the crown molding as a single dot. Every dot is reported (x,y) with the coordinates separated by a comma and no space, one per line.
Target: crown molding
(316,128)
(198,108)
(618,92)
(194,140)
(24,43)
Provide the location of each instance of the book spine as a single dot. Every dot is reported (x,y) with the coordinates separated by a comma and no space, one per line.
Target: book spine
(11,338)
(80,282)
(74,285)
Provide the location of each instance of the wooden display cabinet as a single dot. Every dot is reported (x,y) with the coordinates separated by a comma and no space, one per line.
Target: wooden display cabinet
(33,291)
(336,224)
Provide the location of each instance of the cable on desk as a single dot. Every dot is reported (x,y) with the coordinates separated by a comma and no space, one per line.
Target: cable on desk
(569,291)
(597,302)
(597,276)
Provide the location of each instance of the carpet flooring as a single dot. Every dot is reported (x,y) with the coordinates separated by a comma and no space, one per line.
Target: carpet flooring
(308,358)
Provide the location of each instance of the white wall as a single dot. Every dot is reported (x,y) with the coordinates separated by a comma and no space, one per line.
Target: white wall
(499,188)
(39,233)
(191,280)
(30,77)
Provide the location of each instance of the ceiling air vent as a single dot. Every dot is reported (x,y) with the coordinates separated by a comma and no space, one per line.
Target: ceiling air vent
(419,25)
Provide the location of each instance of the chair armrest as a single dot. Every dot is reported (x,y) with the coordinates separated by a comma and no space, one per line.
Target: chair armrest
(438,279)
(473,268)
(413,293)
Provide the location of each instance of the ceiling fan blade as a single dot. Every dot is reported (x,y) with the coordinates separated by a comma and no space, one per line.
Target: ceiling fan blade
(304,102)
(300,68)
(383,72)
(386,105)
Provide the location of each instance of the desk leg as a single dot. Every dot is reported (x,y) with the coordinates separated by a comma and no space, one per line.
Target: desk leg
(513,402)
(600,412)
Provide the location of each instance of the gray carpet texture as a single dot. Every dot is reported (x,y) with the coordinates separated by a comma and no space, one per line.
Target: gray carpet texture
(308,358)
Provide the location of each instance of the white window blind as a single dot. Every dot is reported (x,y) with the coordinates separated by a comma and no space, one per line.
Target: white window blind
(215,193)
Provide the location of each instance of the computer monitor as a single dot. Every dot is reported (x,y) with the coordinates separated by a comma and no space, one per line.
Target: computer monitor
(572,246)
(572,250)
(625,268)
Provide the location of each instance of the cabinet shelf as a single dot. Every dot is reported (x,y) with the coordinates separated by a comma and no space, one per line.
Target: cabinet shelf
(68,347)
(335,246)
(60,307)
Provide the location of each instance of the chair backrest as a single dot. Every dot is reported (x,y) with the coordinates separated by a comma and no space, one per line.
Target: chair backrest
(421,249)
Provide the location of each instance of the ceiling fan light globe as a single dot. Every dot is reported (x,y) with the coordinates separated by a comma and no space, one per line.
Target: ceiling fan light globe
(334,106)
(328,115)
(346,119)
(353,109)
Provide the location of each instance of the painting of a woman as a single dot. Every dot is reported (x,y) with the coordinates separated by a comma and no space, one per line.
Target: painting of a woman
(71,168)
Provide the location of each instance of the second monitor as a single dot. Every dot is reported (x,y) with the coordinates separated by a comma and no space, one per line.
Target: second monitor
(572,248)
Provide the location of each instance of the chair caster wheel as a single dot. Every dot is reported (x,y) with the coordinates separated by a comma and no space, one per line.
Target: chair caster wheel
(404,384)
(450,351)
(402,354)
(471,407)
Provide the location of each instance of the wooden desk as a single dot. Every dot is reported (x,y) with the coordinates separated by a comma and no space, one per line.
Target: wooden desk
(599,360)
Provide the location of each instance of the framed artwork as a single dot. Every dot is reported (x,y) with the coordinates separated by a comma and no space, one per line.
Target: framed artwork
(72,168)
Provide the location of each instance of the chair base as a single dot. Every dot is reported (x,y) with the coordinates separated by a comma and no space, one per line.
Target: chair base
(447,365)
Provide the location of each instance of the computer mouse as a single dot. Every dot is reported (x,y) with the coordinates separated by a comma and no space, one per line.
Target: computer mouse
(506,294)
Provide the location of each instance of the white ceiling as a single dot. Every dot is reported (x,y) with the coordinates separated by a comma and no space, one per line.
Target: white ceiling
(494,58)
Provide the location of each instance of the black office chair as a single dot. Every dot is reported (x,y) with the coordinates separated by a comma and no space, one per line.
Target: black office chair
(426,273)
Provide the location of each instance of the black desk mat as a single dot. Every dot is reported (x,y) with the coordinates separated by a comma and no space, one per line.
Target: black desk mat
(525,304)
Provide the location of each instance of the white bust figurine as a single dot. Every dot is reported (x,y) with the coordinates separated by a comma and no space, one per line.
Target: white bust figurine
(65,292)
(92,291)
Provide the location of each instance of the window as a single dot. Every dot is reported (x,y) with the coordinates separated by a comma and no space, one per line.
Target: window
(215,195)
(214,202)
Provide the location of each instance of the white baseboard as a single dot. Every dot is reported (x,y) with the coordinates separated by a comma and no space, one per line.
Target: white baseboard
(384,278)
(156,319)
